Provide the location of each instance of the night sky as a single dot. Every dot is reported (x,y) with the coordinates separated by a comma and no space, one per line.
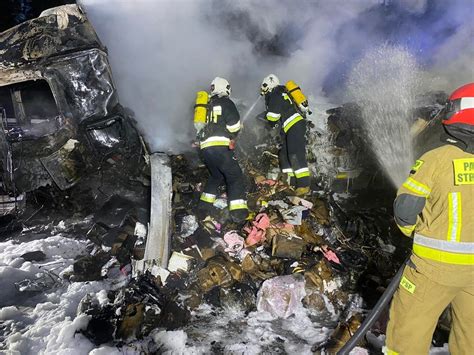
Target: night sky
(13,12)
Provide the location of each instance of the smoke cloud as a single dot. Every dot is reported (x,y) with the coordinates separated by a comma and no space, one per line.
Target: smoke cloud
(163,51)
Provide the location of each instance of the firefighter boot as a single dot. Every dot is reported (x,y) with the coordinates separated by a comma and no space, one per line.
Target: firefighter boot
(239,215)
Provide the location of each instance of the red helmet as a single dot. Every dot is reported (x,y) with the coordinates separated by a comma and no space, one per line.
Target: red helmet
(460,106)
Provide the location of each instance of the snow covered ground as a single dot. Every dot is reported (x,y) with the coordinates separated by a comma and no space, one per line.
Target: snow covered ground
(43,320)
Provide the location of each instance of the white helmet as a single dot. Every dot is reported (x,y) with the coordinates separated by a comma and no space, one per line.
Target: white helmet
(220,86)
(269,83)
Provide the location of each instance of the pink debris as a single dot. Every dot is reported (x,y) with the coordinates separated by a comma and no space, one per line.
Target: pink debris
(329,254)
(256,233)
(234,245)
(234,242)
(263,221)
(255,237)
(126,269)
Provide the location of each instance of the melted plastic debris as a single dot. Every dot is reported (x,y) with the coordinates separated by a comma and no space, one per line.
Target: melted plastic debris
(281,296)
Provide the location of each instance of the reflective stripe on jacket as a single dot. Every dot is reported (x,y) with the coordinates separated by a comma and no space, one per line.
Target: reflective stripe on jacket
(214,142)
(442,186)
(280,107)
(222,123)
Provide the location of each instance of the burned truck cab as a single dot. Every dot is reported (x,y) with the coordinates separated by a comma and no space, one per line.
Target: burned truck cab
(60,114)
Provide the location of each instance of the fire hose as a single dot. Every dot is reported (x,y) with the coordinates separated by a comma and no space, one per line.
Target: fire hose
(375,313)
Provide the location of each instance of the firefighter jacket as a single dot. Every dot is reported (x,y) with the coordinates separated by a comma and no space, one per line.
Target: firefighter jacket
(280,108)
(436,202)
(222,123)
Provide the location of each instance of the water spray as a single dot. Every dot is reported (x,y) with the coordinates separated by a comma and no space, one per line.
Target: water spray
(385,82)
(249,111)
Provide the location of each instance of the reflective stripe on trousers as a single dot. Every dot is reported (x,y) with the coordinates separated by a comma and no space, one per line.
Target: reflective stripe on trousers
(288,171)
(303,172)
(237,205)
(207,197)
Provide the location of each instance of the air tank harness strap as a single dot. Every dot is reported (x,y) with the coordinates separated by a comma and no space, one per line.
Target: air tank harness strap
(294,89)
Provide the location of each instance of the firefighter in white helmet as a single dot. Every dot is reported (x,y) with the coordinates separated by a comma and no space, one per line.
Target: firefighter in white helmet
(216,144)
(282,110)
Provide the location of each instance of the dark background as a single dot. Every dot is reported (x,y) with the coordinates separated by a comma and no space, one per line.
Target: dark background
(13,12)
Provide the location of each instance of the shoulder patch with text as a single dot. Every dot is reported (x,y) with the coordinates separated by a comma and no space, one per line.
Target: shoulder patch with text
(463,171)
(415,167)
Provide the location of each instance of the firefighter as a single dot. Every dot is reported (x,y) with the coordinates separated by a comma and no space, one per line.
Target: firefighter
(281,110)
(217,150)
(435,205)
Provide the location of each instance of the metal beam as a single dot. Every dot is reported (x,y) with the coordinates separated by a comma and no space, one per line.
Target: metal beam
(159,231)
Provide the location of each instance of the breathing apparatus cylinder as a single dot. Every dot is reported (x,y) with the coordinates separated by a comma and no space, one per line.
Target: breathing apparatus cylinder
(200,107)
(200,110)
(301,102)
(296,94)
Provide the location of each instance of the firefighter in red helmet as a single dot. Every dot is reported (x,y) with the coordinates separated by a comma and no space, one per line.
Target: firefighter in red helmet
(435,206)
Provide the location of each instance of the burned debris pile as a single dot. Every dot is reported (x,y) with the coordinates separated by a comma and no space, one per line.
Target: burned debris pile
(330,254)
(320,252)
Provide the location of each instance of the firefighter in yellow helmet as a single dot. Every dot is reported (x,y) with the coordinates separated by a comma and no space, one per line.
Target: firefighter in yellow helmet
(435,205)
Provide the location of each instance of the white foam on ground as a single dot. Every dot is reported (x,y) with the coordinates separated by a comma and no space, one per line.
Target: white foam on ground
(47,323)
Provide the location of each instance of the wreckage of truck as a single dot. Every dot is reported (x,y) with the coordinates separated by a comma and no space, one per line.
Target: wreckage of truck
(60,115)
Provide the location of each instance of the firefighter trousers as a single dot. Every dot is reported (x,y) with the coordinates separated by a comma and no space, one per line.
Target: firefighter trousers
(425,290)
(224,169)
(292,155)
